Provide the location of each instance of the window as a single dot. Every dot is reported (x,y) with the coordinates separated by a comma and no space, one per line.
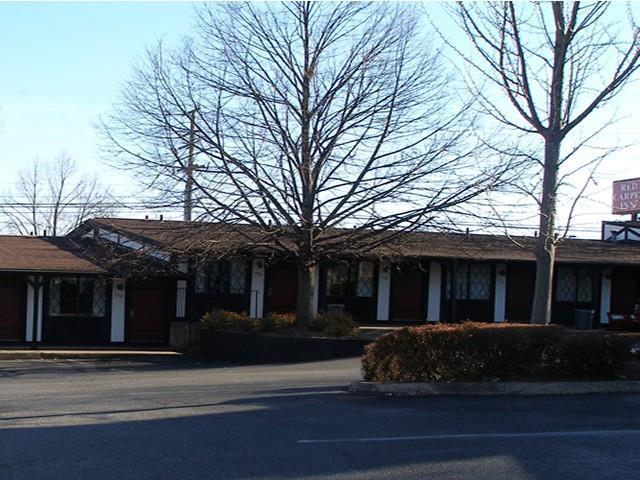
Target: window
(350,279)
(338,281)
(573,285)
(223,277)
(77,296)
(473,282)
(364,287)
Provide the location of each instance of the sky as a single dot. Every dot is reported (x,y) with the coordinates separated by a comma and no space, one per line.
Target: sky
(62,66)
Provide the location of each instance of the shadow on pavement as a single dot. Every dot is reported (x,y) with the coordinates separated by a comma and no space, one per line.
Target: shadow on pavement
(259,438)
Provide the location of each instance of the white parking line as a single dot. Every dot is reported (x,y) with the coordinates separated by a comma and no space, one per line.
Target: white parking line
(473,436)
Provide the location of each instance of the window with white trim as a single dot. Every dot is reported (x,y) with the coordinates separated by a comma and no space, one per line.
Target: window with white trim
(77,296)
(473,282)
(574,285)
(222,277)
(354,279)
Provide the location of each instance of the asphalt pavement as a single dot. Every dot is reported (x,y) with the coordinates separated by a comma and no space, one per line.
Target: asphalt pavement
(178,418)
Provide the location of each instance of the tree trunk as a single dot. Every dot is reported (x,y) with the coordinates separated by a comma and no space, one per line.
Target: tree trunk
(306,305)
(546,242)
(306,308)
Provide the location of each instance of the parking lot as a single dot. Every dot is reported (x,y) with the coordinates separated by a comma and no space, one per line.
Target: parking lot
(182,418)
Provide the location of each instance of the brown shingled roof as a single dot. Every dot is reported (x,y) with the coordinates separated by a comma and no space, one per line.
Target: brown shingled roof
(45,255)
(178,236)
(503,248)
(209,236)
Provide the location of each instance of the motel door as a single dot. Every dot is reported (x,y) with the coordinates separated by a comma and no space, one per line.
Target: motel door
(10,302)
(520,285)
(408,295)
(145,314)
(282,288)
(624,290)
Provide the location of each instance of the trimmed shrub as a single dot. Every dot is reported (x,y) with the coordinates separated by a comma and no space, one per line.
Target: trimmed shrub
(234,321)
(276,321)
(474,351)
(226,320)
(334,324)
(593,355)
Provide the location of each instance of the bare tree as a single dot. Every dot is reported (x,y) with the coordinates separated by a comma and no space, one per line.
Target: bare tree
(328,127)
(54,198)
(556,63)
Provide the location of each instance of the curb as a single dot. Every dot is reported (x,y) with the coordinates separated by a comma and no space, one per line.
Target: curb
(96,355)
(495,388)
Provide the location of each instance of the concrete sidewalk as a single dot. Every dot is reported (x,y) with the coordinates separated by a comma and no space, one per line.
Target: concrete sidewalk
(496,388)
(23,352)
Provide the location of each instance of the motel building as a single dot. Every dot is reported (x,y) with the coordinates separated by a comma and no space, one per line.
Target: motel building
(116,281)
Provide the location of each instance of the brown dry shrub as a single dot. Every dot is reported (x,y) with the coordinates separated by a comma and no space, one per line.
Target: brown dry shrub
(475,351)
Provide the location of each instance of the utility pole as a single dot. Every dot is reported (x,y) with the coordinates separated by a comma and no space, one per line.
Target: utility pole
(191,167)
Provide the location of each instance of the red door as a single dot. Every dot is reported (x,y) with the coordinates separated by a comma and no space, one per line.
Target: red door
(520,285)
(146,320)
(282,288)
(10,324)
(408,295)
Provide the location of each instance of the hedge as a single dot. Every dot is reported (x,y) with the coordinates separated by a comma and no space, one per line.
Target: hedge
(476,351)
(331,324)
(241,322)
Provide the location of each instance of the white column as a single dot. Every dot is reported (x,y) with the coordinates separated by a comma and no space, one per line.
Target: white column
(435,291)
(500,293)
(316,287)
(29,322)
(256,303)
(181,298)
(118,297)
(40,311)
(605,296)
(384,291)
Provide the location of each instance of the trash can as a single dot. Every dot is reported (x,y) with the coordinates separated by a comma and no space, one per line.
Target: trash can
(583,319)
